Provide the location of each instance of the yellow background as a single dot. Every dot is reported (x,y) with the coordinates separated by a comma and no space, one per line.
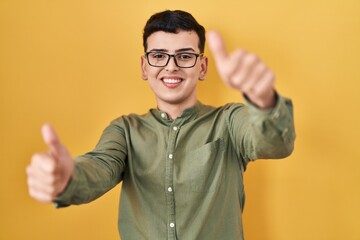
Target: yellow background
(76,64)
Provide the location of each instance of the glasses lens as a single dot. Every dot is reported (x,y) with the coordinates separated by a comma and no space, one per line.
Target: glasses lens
(158,59)
(183,60)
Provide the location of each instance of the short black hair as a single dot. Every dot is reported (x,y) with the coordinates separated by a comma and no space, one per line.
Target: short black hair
(171,22)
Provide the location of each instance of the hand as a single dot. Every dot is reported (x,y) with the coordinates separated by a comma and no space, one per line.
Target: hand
(49,172)
(244,72)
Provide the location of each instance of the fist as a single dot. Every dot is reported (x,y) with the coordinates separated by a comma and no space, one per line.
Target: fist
(244,72)
(49,172)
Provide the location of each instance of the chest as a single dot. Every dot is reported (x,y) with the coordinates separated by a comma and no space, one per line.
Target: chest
(189,157)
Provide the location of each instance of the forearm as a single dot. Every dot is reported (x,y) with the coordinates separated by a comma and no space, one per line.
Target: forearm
(90,180)
(272,132)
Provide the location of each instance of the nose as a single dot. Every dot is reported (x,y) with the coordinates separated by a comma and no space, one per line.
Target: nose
(171,66)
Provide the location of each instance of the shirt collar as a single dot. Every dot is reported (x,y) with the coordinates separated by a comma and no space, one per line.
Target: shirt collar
(187,115)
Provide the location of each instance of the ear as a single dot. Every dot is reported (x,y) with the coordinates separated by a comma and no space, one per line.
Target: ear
(144,74)
(204,67)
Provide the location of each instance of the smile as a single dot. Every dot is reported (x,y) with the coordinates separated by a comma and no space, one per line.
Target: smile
(171,80)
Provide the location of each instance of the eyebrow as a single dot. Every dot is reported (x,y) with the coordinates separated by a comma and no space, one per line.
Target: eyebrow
(176,51)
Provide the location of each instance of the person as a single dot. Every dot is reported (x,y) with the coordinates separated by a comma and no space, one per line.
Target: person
(181,164)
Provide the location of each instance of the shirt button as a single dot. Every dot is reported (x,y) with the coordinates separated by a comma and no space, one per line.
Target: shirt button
(175,128)
(169,189)
(172,225)
(276,115)
(171,156)
(163,115)
(285,132)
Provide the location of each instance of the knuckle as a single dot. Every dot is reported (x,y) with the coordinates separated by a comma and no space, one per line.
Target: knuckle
(33,193)
(44,199)
(34,158)
(30,182)
(35,155)
(237,54)
(271,75)
(40,196)
(28,170)
(237,83)
(250,59)
(260,67)
(51,167)
(38,158)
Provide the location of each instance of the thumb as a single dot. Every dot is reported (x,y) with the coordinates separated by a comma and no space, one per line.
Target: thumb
(52,141)
(217,46)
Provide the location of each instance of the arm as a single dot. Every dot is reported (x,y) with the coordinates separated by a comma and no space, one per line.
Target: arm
(49,172)
(265,128)
(98,171)
(244,72)
(54,176)
(262,134)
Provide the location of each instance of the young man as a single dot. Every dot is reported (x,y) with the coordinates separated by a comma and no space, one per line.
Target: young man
(182,163)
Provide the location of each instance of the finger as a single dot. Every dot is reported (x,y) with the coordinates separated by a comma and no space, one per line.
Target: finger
(40,185)
(42,164)
(40,196)
(236,62)
(36,185)
(42,180)
(232,67)
(51,140)
(40,176)
(217,46)
(246,65)
(254,76)
(265,85)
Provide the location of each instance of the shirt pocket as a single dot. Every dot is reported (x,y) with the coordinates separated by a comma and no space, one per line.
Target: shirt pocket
(207,167)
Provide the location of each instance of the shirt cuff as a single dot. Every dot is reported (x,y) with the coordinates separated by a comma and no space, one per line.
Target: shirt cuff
(280,116)
(64,198)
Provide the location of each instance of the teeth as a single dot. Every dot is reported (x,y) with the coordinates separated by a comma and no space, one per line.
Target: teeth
(169,80)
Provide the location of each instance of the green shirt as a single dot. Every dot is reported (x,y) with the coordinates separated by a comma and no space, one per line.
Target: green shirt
(182,178)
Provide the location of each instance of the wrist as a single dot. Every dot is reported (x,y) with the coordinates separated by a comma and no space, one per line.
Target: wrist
(263,102)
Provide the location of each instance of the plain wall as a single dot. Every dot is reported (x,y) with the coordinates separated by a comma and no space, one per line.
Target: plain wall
(76,64)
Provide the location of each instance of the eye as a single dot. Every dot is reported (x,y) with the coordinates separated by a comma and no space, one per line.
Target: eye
(185,56)
(158,56)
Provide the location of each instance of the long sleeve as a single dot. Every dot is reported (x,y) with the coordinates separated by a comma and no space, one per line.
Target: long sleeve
(262,134)
(98,171)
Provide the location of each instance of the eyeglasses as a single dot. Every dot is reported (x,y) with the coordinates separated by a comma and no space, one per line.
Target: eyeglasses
(182,60)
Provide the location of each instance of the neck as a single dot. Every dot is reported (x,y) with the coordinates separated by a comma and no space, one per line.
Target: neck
(175,110)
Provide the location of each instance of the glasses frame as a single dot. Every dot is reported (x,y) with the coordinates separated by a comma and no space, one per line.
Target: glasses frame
(197,55)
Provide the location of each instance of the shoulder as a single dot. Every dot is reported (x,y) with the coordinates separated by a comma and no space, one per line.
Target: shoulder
(228,106)
(132,119)
(224,112)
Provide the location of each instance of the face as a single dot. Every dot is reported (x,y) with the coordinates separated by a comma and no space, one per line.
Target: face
(171,84)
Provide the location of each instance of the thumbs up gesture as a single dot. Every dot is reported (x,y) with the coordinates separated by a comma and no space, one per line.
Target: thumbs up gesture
(49,172)
(244,72)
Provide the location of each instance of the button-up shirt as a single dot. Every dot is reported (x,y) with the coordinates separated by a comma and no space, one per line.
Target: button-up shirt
(183,178)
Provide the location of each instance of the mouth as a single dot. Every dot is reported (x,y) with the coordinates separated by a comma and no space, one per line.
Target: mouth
(172,82)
